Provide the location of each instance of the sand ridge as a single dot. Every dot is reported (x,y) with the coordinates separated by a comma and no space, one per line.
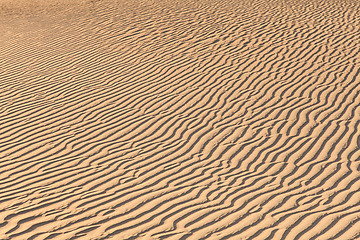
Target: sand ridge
(181,120)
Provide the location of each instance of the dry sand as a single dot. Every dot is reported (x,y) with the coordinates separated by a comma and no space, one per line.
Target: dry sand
(185,119)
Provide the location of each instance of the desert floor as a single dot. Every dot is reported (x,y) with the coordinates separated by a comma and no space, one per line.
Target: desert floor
(206,119)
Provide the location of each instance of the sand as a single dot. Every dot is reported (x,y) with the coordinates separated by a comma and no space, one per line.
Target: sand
(186,119)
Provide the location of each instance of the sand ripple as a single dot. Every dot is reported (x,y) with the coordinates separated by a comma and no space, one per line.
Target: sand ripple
(181,120)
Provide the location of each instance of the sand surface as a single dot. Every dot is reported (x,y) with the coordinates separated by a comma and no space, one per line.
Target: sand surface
(205,119)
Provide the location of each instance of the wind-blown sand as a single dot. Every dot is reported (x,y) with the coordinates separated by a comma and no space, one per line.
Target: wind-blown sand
(180,119)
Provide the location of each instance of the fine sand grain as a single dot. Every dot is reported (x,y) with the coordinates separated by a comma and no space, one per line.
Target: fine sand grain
(207,119)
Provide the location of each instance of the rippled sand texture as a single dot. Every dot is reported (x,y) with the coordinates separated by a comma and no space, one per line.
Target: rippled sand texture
(180,120)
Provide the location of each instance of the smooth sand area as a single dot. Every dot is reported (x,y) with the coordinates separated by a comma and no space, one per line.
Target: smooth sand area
(207,119)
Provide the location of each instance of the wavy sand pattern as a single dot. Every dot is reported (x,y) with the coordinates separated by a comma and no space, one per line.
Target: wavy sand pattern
(180,120)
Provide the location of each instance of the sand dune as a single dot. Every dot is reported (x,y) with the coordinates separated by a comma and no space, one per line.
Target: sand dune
(180,120)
